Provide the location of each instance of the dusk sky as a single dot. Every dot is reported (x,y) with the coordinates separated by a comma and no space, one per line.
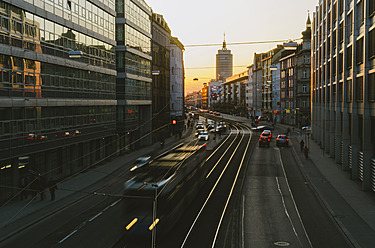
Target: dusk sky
(198,22)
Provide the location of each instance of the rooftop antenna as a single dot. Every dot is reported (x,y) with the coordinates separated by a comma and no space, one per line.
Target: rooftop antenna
(224,43)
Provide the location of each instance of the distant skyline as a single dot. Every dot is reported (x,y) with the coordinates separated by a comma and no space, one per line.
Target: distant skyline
(204,22)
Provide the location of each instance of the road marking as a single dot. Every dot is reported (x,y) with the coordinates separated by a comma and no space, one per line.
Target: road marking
(115,203)
(67,236)
(209,195)
(222,143)
(231,192)
(214,167)
(294,202)
(95,216)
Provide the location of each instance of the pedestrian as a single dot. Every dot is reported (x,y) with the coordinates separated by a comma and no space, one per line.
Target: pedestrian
(42,186)
(52,186)
(23,190)
(302,144)
(306,150)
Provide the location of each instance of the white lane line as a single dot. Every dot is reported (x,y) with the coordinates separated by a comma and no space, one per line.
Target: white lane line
(222,143)
(93,218)
(113,204)
(231,192)
(214,167)
(67,236)
(294,202)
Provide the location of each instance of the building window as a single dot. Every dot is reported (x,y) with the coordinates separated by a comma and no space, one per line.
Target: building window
(371,87)
(359,89)
(341,62)
(349,24)
(349,56)
(371,42)
(371,8)
(359,55)
(349,89)
(341,32)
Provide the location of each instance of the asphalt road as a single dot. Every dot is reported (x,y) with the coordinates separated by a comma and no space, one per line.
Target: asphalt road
(252,197)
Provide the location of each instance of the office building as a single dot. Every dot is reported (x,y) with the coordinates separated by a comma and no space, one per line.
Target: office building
(224,63)
(133,65)
(57,88)
(343,85)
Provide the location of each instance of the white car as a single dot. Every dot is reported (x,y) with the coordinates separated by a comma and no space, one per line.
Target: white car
(139,162)
(203,136)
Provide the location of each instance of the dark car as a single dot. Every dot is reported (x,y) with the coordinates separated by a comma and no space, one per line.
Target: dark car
(282,140)
(264,141)
(267,133)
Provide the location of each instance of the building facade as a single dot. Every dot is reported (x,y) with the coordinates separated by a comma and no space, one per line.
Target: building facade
(287,89)
(57,89)
(234,91)
(214,92)
(303,83)
(343,84)
(177,80)
(161,84)
(133,64)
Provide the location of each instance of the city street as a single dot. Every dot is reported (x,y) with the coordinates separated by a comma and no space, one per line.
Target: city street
(252,196)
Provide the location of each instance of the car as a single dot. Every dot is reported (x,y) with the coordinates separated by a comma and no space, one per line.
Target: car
(306,129)
(264,141)
(199,125)
(140,162)
(199,131)
(261,128)
(267,133)
(282,140)
(203,136)
(211,127)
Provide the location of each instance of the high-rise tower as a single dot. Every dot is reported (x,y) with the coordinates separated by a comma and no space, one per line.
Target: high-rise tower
(224,63)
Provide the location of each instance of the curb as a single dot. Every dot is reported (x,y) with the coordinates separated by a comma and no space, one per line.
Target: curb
(317,193)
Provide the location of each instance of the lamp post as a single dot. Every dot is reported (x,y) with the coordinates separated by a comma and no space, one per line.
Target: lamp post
(154,219)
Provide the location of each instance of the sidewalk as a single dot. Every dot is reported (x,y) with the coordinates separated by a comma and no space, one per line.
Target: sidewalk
(16,213)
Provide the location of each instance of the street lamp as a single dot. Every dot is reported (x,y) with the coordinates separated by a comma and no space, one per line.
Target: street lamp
(155,73)
(155,220)
(75,54)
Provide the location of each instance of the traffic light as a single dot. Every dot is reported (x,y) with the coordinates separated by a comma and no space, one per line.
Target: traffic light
(174,122)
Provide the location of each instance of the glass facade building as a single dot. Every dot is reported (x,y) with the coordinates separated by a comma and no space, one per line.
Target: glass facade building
(57,111)
(133,65)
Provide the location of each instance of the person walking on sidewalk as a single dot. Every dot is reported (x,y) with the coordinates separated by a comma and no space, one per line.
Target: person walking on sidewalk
(302,144)
(306,151)
(52,187)
(42,186)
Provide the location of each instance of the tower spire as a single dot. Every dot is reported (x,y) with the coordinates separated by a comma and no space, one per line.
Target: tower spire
(308,22)
(224,43)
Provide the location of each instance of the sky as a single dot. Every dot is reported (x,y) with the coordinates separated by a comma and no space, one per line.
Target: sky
(199,22)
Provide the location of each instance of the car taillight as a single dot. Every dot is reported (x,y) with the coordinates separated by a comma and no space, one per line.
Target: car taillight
(269,135)
(260,139)
(287,139)
(268,139)
(277,139)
